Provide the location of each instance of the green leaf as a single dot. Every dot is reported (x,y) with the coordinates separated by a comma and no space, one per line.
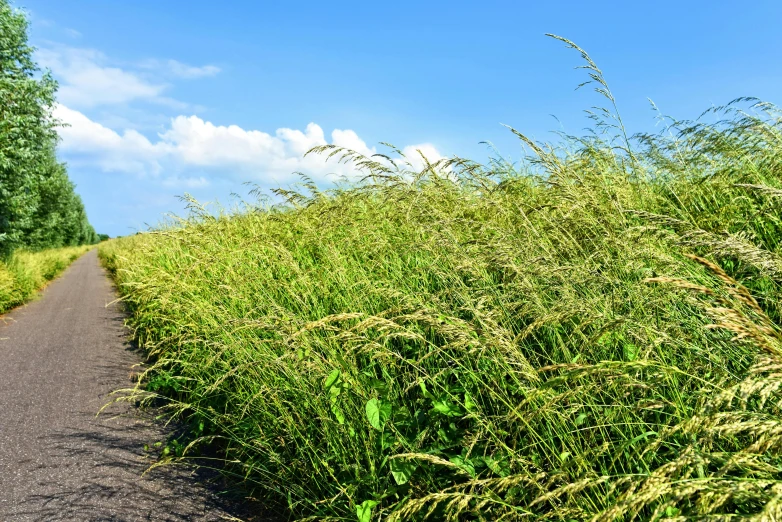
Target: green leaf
(671,511)
(580,419)
(334,392)
(424,391)
(378,413)
(387,440)
(469,404)
(447,408)
(331,379)
(630,352)
(402,470)
(376,384)
(464,464)
(364,511)
(337,411)
(500,467)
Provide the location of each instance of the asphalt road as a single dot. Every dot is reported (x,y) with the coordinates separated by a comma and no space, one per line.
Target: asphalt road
(60,357)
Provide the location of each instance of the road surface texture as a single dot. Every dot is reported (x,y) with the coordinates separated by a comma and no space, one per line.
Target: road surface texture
(60,358)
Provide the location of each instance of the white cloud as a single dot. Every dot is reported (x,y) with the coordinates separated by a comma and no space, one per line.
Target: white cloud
(177,69)
(191,144)
(413,155)
(89,142)
(185,182)
(188,71)
(86,80)
(350,140)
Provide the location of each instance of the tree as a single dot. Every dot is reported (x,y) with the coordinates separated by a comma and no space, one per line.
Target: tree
(38,205)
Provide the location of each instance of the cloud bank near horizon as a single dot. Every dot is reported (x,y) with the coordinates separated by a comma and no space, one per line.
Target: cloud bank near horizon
(189,151)
(190,143)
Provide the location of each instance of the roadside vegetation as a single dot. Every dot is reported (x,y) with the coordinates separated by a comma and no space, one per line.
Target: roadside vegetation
(42,219)
(592,334)
(24,273)
(39,208)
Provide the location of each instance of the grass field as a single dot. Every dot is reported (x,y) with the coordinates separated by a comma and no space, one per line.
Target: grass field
(27,272)
(592,334)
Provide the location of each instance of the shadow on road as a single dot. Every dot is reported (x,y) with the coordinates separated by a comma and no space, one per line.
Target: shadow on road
(113,454)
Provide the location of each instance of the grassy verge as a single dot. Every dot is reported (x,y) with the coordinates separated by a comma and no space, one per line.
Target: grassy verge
(27,272)
(592,335)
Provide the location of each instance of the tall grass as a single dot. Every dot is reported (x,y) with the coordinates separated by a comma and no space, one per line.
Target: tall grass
(25,273)
(594,335)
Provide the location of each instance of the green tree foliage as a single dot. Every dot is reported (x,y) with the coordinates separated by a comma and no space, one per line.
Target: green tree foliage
(38,205)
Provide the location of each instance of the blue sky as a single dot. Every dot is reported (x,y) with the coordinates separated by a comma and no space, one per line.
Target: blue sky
(165,98)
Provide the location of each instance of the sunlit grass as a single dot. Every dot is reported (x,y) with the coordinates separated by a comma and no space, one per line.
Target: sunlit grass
(27,272)
(594,335)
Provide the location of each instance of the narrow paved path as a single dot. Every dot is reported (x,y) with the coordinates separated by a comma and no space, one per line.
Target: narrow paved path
(60,357)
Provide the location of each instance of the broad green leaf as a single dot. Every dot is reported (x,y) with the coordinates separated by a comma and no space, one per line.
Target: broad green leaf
(387,440)
(671,511)
(337,411)
(378,413)
(630,352)
(447,408)
(364,511)
(464,464)
(377,384)
(402,470)
(331,379)
(500,467)
(334,392)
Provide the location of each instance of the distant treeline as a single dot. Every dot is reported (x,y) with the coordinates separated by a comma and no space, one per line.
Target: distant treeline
(38,205)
